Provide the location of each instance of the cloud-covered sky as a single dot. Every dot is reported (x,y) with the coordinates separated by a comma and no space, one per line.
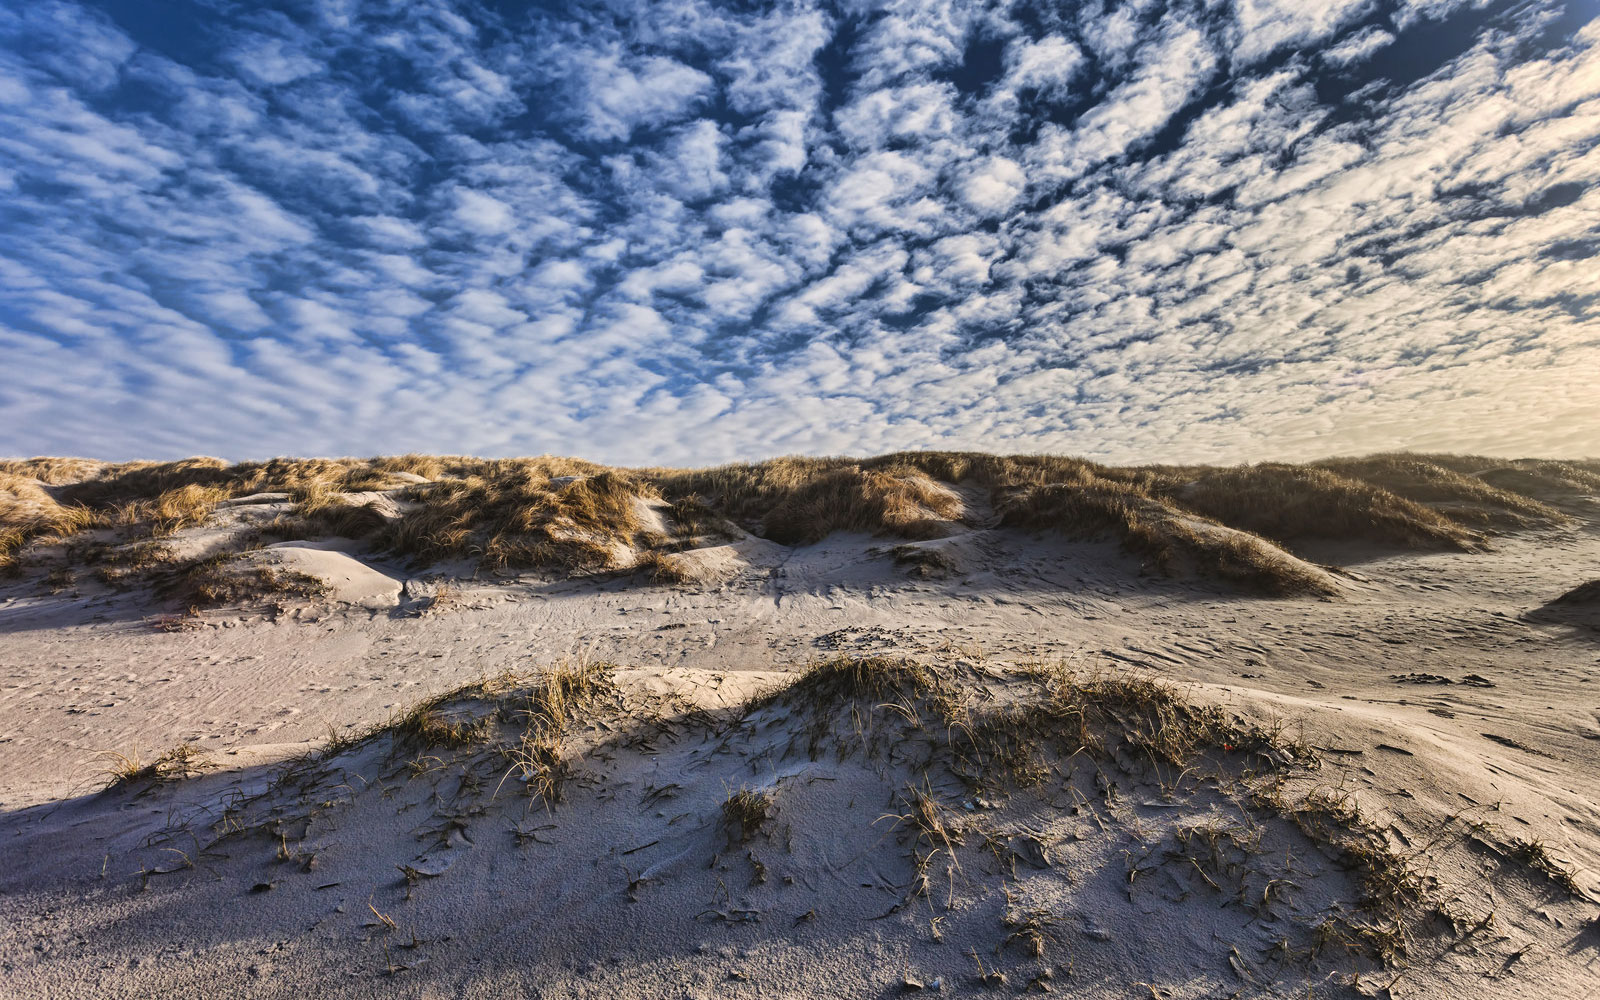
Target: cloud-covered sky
(675,231)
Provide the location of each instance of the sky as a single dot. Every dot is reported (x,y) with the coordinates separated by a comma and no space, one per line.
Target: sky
(683,232)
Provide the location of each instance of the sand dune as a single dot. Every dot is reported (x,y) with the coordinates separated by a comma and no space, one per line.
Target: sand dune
(951,723)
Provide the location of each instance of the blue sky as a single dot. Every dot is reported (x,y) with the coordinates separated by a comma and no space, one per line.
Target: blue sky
(684,232)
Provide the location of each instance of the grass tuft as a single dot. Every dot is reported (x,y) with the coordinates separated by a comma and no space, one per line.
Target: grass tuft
(180,761)
(745,812)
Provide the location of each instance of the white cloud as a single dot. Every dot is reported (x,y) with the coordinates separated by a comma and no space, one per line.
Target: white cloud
(482,213)
(1358,46)
(686,232)
(1048,65)
(993,185)
(1172,68)
(621,94)
(272,61)
(1264,26)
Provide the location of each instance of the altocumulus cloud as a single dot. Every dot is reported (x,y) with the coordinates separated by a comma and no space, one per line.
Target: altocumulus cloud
(677,231)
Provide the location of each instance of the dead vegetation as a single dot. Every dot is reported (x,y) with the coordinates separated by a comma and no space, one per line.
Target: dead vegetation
(1164,536)
(523,516)
(797,501)
(29,511)
(1289,502)
(515,726)
(180,761)
(923,561)
(745,812)
(1398,900)
(1536,856)
(573,516)
(1455,494)
(228,580)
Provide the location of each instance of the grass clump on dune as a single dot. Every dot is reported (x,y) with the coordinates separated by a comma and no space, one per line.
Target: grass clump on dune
(51,471)
(29,511)
(1160,533)
(523,515)
(226,580)
(1104,714)
(519,726)
(172,510)
(181,761)
(796,501)
(576,516)
(1286,502)
(1448,491)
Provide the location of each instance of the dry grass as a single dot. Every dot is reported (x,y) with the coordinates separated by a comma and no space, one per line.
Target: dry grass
(532,514)
(1125,731)
(924,562)
(52,471)
(518,724)
(1536,856)
(1448,491)
(1166,537)
(1542,479)
(1289,502)
(172,510)
(322,511)
(180,761)
(744,813)
(797,501)
(1398,898)
(29,511)
(226,580)
(540,757)
(1136,719)
(577,516)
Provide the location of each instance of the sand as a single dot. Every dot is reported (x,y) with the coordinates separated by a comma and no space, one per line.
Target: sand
(1443,694)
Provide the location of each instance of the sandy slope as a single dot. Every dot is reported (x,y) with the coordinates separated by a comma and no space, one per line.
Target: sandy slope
(1443,700)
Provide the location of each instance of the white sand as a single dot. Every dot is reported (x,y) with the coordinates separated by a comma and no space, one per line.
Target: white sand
(629,886)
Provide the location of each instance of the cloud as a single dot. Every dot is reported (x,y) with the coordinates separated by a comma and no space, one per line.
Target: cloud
(992,185)
(1264,26)
(619,94)
(272,61)
(1358,46)
(691,231)
(482,213)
